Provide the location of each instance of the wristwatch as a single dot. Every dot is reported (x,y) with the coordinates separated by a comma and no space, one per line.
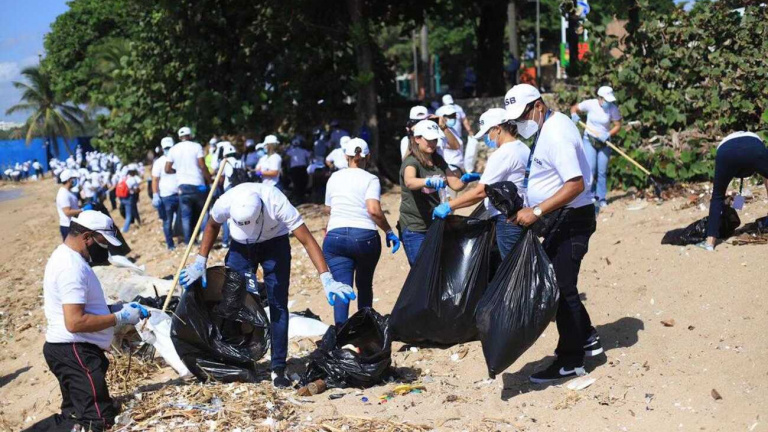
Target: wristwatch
(537,211)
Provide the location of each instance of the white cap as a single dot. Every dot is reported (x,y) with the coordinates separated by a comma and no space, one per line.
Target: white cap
(445,110)
(418,113)
(492,117)
(517,98)
(606,93)
(98,222)
(427,129)
(351,146)
(260,146)
(185,131)
(213,141)
(166,143)
(447,99)
(68,174)
(271,139)
(344,140)
(228,148)
(244,212)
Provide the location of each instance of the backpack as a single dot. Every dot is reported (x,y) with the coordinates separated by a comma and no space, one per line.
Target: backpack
(122,191)
(239,175)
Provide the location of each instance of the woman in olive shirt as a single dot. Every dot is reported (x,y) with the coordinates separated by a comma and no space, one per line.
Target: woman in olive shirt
(423,173)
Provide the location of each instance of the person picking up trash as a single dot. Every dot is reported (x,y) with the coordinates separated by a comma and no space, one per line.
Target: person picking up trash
(507,163)
(260,219)
(603,122)
(352,246)
(424,175)
(557,184)
(739,155)
(80,326)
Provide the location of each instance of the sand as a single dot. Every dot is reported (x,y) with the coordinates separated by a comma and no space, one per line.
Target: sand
(652,378)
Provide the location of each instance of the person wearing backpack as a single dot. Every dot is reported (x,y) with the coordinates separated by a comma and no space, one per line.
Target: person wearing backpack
(234,173)
(127,190)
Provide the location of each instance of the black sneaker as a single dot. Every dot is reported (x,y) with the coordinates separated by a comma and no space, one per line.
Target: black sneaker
(556,372)
(279,379)
(593,347)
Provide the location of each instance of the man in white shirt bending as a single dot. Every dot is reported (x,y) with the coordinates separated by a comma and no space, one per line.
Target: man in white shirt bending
(186,160)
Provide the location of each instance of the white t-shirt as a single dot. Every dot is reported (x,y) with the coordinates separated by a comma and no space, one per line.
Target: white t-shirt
(346,193)
(404,146)
(65,198)
(507,163)
(70,280)
(338,158)
(277,218)
(167,185)
(271,162)
(453,157)
(184,156)
(598,119)
(558,157)
(739,135)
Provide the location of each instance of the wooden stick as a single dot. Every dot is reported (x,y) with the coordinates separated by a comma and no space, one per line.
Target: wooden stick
(194,234)
(618,150)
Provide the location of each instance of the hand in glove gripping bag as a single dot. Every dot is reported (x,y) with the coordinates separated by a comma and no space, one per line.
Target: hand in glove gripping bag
(130,314)
(194,272)
(435,183)
(442,211)
(336,290)
(393,241)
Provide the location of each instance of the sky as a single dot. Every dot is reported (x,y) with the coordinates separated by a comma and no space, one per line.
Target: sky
(23,23)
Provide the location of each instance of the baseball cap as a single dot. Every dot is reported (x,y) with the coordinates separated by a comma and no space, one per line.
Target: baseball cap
(492,117)
(166,143)
(68,174)
(418,112)
(344,140)
(351,146)
(244,212)
(98,222)
(271,139)
(227,148)
(445,110)
(427,129)
(606,93)
(447,99)
(517,98)
(185,131)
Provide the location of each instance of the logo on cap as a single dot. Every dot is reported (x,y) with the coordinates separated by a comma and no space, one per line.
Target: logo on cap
(243,223)
(509,101)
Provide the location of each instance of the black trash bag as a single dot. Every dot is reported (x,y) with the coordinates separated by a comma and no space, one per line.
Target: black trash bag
(221,331)
(157,302)
(697,231)
(437,303)
(518,305)
(503,196)
(366,330)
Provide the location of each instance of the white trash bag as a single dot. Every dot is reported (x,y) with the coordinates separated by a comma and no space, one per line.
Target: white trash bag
(157,333)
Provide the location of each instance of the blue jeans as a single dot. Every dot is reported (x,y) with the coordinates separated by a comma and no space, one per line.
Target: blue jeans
(507,235)
(598,163)
(191,201)
(412,241)
(352,255)
(170,206)
(274,256)
(128,204)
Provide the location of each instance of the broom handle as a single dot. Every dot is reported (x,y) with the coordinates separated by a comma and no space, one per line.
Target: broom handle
(618,150)
(194,235)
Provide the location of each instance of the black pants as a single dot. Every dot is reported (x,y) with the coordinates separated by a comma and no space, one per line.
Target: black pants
(81,369)
(113,199)
(566,247)
(299,178)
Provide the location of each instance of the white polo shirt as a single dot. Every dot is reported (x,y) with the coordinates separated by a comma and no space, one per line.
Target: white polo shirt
(184,156)
(598,119)
(167,184)
(277,217)
(69,279)
(557,158)
(65,198)
(346,193)
(271,162)
(507,163)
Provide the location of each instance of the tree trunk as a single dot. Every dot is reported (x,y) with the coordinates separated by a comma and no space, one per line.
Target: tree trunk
(490,48)
(366,79)
(514,46)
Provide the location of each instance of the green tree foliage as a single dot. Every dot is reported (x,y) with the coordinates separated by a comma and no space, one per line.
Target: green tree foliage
(688,79)
(50,116)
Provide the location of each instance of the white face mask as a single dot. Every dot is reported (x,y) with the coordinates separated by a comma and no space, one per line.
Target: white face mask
(527,128)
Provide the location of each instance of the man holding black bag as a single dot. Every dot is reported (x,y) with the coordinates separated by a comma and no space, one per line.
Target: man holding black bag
(559,208)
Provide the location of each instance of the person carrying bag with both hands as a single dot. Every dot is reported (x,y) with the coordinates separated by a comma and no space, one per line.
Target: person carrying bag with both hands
(352,246)
(260,218)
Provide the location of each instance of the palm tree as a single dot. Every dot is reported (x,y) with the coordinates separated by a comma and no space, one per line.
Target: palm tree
(51,116)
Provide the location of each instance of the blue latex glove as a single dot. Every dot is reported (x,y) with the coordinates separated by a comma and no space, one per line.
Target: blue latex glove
(575,118)
(156,201)
(605,136)
(442,211)
(129,314)
(143,312)
(336,290)
(470,177)
(393,241)
(194,272)
(435,183)
(88,206)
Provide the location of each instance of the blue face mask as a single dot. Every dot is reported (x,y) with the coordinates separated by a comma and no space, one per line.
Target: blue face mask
(74,183)
(450,123)
(489,142)
(606,105)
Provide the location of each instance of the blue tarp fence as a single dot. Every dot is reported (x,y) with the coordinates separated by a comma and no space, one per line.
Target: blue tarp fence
(12,151)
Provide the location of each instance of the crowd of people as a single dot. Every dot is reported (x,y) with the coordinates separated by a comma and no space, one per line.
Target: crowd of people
(560,176)
(22,171)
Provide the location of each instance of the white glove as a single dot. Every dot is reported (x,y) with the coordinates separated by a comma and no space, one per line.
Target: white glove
(156,201)
(193,272)
(336,290)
